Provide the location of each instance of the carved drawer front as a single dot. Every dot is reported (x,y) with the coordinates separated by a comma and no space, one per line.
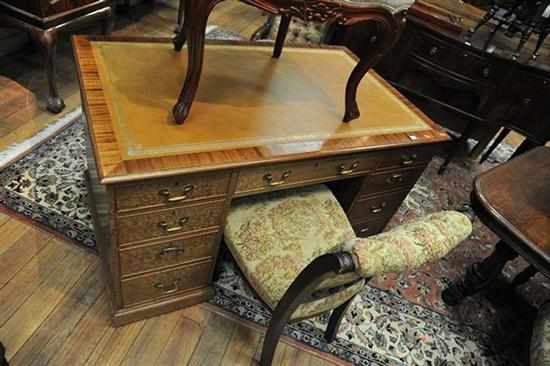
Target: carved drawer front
(377,208)
(169,253)
(368,228)
(167,283)
(168,222)
(407,157)
(267,178)
(171,191)
(392,180)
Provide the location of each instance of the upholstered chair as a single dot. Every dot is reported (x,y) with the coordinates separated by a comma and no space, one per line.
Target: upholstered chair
(300,254)
(540,339)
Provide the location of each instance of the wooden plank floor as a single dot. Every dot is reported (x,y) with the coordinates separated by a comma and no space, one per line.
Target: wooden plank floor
(23,84)
(54,310)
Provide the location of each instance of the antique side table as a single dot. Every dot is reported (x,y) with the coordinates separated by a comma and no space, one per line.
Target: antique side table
(160,192)
(513,200)
(389,16)
(44,19)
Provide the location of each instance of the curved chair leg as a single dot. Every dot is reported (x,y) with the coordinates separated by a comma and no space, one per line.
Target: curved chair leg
(281,35)
(387,36)
(185,7)
(501,136)
(47,42)
(107,23)
(195,27)
(335,320)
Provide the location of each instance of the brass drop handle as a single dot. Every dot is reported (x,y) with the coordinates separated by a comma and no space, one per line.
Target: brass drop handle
(408,160)
(344,171)
(166,194)
(377,209)
(395,178)
(172,229)
(165,289)
(268,178)
(174,251)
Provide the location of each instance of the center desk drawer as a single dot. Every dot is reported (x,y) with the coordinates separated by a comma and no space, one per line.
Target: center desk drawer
(144,258)
(390,180)
(165,191)
(266,178)
(168,222)
(160,284)
(378,207)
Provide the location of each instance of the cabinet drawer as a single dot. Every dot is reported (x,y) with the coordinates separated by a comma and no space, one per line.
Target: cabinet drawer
(266,178)
(411,156)
(368,228)
(168,222)
(166,283)
(377,208)
(171,191)
(392,180)
(170,253)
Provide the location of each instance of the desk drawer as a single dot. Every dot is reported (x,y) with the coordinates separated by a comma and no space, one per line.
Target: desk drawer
(171,191)
(169,253)
(391,180)
(266,178)
(407,157)
(169,222)
(167,283)
(368,228)
(377,208)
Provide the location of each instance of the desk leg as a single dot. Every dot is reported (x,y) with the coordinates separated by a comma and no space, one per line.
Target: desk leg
(479,275)
(192,31)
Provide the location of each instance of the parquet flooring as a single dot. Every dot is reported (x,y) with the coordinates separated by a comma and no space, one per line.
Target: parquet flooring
(54,310)
(23,83)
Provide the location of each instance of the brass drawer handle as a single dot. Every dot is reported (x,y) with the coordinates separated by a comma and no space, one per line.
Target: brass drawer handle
(395,178)
(433,51)
(166,290)
(344,171)
(171,229)
(268,178)
(364,230)
(377,209)
(408,160)
(173,251)
(166,194)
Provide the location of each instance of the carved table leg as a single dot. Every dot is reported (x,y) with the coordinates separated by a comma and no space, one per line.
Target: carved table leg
(281,35)
(193,29)
(46,41)
(479,275)
(387,35)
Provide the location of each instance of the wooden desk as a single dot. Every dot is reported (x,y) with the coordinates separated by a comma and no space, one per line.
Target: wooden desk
(513,200)
(159,214)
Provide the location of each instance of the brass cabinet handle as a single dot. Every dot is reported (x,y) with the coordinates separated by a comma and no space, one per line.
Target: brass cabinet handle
(174,251)
(268,178)
(165,290)
(344,171)
(364,230)
(378,209)
(408,160)
(433,51)
(166,194)
(171,229)
(395,178)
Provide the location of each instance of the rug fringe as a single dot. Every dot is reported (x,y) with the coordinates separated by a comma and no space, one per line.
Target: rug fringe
(15,151)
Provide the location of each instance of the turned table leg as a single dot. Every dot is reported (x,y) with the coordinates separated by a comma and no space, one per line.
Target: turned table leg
(479,275)
(281,35)
(47,42)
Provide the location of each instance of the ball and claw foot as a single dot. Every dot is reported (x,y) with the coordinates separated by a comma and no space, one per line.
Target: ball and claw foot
(351,114)
(55,104)
(180,112)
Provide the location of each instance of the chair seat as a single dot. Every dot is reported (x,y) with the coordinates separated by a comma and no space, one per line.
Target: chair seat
(274,236)
(540,339)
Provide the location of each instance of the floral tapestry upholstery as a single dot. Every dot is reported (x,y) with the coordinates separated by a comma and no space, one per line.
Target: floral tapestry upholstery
(540,339)
(274,236)
(410,245)
(300,31)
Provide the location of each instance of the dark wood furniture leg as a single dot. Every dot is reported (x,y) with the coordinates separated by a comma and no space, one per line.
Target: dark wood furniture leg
(387,35)
(299,290)
(456,146)
(281,35)
(479,275)
(181,8)
(501,136)
(335,320)
(46,40)
(3,360)
(524,276)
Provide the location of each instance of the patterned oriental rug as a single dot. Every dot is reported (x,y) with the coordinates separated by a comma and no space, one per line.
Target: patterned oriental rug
(397,320)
